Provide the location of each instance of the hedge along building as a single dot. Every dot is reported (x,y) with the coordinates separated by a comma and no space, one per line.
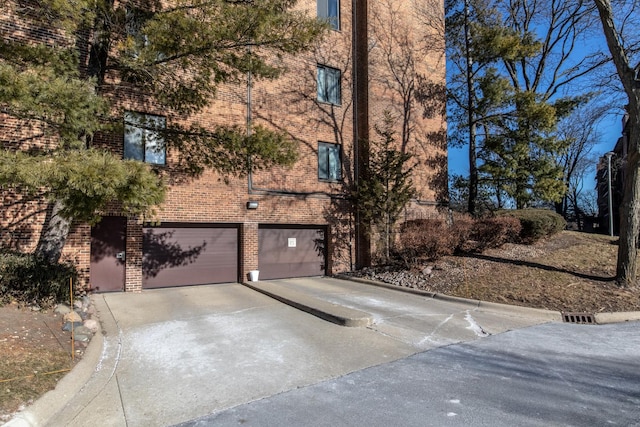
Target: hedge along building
(283,222)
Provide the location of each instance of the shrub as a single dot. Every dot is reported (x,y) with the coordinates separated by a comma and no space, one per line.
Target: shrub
(430,239)
(537,223)
(462,230)
(27,279)
(493,232)
(426,238)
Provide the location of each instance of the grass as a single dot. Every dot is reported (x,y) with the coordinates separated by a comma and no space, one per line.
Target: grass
(568,272)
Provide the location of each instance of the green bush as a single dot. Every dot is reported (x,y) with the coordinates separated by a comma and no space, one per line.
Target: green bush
(30,280)
(536,223)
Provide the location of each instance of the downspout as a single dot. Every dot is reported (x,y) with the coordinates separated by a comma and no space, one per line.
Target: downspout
(249,123)
(361,121)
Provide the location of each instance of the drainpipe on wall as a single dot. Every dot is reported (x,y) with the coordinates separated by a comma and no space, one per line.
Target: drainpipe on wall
(361,121)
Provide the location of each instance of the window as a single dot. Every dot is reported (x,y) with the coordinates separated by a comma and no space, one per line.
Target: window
(328,9)
(135,20)
(142,141)
(329,85)
(329,162)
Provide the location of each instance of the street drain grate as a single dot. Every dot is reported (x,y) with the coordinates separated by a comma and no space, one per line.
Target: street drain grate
(584,318)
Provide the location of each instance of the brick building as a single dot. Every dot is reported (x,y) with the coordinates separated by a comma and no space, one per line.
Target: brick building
(283,222)
(616,165)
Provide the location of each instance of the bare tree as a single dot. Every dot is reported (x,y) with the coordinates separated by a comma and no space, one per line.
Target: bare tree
(580,131)
(622,53)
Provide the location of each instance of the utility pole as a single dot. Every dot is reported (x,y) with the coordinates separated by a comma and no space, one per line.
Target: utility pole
(609,155)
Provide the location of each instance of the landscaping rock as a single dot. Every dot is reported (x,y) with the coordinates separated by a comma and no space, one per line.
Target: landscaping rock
(82,333)
(82,330)
(82,337)
(68,325)
(62,309)
(72,317)
(92,325)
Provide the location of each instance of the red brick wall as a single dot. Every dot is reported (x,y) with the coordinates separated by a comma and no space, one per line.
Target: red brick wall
(285,195)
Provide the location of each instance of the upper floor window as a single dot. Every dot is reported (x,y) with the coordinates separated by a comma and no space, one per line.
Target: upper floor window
(329,162)
(329,85)
(142,141)
(329,10)
(135,18)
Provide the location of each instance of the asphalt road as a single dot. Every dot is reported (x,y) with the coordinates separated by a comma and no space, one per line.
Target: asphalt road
(546,375)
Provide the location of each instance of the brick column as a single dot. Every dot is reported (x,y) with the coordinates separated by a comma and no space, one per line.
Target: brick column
(77,250)
(361,122)
(133,270)
(248,249)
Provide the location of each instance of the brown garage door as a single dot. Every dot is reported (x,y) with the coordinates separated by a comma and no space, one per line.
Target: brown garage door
(183,254)
(291,252)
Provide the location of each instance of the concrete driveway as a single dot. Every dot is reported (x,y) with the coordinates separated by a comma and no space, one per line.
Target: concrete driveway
(172,355)
(546,375)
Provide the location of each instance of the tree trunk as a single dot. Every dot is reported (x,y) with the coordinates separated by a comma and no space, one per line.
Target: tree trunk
(55,229)
(473,169)
(627,266)
(54,233)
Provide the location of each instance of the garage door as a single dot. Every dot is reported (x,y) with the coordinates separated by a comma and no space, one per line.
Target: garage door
(182,254)
(291,252)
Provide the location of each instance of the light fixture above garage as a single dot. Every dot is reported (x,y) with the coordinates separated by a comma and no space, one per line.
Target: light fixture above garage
(252,204)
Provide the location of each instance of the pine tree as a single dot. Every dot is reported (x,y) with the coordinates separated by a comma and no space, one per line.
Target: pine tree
(388,187)
(506,104)
(173,55)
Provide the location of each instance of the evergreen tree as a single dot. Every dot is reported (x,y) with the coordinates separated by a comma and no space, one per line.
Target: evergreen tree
(388,187)
(524,56)
(170,55)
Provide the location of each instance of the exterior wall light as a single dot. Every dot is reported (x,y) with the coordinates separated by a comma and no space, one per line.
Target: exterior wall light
(252,204)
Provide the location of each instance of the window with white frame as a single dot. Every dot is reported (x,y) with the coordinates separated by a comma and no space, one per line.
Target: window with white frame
(330,10)
(329,162)
(329,85)
(142,140)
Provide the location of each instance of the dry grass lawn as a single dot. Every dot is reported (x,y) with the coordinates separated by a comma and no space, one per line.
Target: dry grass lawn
(35,355)
(569,272)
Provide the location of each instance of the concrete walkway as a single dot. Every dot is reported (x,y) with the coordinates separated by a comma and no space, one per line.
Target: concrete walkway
(172,355)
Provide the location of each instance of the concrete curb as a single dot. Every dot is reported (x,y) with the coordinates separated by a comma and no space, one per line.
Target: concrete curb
(551,315)
(103,369)
(334,313)
(43,410)
(617,317)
